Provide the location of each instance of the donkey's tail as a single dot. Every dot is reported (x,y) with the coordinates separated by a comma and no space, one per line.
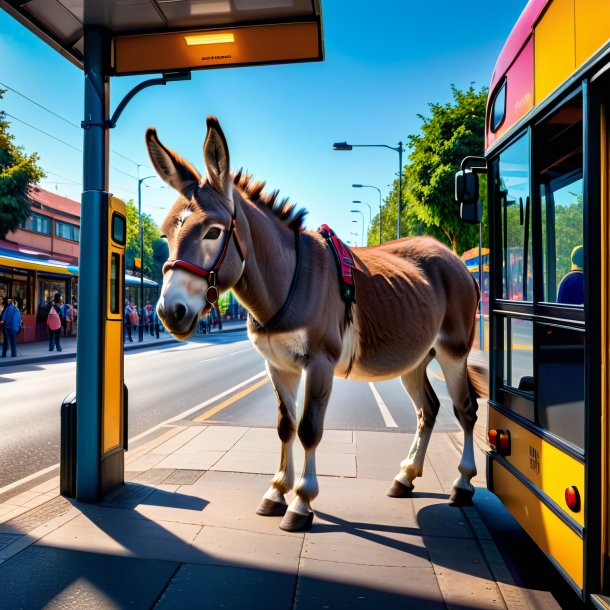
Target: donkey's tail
(478,373)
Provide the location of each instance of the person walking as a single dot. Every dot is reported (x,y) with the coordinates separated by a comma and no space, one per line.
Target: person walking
(54,323)
(11,323)
(127,322)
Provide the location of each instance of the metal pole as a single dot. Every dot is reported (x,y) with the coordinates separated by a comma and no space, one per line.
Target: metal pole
(379,216)
(399,189)
(90,348)
(481,319)
(141,323)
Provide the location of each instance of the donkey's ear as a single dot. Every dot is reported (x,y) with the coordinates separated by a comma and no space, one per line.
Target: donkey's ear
(216,157)
(172,169)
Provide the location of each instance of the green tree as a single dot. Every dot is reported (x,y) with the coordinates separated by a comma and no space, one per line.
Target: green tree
(18,172)
(150,233)
(452,131)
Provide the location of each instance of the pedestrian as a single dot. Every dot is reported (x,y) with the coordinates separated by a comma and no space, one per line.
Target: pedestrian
(54,323)
(157,322)
(149,319)
(127,321)
(134,317)
(11,323)
(68,313)
(2,305)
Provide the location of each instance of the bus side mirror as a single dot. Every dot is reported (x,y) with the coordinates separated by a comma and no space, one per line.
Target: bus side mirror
(467,195)
(471,213)
(466,186)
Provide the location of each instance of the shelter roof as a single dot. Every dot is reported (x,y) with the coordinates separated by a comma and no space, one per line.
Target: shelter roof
(61,23)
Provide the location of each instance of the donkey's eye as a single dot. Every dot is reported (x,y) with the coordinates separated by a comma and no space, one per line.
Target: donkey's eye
(213,233)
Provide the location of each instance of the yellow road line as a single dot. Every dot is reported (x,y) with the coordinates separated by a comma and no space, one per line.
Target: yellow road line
(231,400)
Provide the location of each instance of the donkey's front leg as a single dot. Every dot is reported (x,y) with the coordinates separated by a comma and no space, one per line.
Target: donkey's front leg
(286,386)
(318,385)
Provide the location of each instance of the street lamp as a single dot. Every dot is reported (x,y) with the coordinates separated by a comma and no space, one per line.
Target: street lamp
(369,186)
(141,324)
(399,149)
(370,213)
(361,214)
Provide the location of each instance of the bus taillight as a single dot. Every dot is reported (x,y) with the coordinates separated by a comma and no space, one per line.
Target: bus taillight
(572,498)
(499,441)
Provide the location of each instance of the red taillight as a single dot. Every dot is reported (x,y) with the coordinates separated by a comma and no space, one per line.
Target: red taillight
(572,498)
(499,441)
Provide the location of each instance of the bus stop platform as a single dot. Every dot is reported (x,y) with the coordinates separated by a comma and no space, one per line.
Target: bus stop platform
(183,533)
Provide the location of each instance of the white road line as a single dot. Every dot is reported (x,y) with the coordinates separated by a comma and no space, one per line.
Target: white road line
(240,351)
(209,359)
(192,410)
(385,413)
(178,417)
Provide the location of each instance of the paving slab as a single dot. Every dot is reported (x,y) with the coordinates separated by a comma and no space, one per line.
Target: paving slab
(229,547)
(325,584)
(463,575)
(228,588)
(42,577)
(197,460)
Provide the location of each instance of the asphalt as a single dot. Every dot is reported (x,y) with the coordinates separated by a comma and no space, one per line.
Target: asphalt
(182,532)
(38,351)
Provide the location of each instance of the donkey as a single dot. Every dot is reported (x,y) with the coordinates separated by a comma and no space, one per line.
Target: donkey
(415,301)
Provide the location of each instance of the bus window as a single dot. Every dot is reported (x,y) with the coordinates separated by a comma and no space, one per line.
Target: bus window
(560,184)
(518,360)
(512,202)
(561,375)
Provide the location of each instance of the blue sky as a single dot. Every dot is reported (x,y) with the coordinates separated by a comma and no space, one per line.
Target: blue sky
(382,67)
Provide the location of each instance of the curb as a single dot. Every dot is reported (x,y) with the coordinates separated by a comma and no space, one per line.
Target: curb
(66,355)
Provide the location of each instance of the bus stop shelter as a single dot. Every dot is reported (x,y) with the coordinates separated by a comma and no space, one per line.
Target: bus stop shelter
(111,38)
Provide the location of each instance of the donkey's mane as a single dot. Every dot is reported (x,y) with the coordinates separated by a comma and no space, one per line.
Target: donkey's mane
(282,208)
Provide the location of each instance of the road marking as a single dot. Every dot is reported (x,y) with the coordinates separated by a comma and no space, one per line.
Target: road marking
(203,405)
(233,399)
(209,359)
(385,413)
(240,351)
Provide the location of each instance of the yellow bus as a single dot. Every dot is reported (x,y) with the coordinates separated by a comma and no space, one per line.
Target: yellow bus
(548,168)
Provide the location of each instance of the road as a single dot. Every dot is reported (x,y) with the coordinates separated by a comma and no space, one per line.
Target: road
(202,378)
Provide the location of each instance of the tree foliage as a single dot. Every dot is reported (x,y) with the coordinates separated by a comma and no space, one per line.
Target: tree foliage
(151,235)
(452,131)
(18,171)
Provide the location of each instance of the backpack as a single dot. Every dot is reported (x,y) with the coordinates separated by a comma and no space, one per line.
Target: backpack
(53,319)
(134,318)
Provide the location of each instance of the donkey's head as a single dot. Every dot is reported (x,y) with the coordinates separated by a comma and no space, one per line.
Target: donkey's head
(205,253)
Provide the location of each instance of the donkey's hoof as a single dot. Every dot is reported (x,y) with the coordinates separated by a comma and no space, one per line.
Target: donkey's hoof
(296,522)
(461,497)
(398,490)
(269,508)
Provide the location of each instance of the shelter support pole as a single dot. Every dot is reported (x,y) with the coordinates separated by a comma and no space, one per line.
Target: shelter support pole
(90,348)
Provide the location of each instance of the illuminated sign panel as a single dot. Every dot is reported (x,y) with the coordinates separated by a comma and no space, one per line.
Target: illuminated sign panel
(190,50)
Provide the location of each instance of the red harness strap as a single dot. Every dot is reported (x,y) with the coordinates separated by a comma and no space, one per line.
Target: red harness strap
(212,293)
(344,262)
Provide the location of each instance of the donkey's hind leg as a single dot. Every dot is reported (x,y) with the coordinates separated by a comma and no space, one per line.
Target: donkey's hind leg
(465,408)
(286,386)
(426,403)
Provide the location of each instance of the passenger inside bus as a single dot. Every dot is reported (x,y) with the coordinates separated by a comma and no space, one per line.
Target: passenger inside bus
(572,286)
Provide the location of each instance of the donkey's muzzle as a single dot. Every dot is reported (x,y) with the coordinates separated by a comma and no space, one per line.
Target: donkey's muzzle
(177,318)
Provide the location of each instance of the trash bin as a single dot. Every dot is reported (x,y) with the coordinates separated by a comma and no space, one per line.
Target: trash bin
(67,464)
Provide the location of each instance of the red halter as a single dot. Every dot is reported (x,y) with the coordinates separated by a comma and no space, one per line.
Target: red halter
(211,295)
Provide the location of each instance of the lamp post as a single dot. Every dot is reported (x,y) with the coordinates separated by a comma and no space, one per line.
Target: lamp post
(370,215)
(399,149)
(361,214)
(369,186)
(141,324)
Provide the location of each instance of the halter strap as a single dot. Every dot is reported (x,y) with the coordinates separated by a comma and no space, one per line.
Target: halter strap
(210,274)
(273,322)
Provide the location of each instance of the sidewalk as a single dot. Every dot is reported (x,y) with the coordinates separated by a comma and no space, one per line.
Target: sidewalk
(183,533)
(38,351)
